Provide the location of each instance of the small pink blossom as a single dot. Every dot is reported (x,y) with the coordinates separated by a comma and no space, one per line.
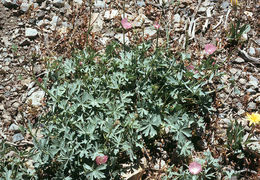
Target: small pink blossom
(195,168)
(101,159)
(39,80)
(210,48)
(126,24)
(190,67)
(156,25)
(80,63)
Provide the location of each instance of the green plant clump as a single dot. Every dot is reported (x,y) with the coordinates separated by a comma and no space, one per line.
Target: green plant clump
(118,104)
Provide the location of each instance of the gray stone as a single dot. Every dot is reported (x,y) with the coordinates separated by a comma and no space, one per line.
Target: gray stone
(242,81)
(18,137)
(257,100)
(14,127)
(250,90)
(177,18)
(58,3)
(30,32)
(40,14)
(225,5)
(97,22)
(233,70)
(239,60)
(54,22)
(251,51)
(15,105)
(100,4)
(36,98)
(251,105)
(79,2)
(253,81)
(149,32)
(239,105)
(110,14)
(240,112)
(140,3)
(24,6)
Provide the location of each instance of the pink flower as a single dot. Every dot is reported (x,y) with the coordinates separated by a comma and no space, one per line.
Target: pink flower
(210,48)
(101,159)
(39,80)
(156,25)
(195,168)
(190,67)
(80,63)
(126,24)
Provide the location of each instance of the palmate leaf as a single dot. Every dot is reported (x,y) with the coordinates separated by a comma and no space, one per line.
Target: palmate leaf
(95,173)
(149,124)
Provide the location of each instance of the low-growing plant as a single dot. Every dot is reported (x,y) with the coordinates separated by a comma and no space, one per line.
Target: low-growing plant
(103,109)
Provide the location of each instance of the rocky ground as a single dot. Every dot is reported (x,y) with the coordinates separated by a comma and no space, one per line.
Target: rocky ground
(33,32)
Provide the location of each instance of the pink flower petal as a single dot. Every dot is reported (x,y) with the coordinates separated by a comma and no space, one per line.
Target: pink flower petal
(156,25)
(126,24)
(195,168)
(101,159)
(210,48)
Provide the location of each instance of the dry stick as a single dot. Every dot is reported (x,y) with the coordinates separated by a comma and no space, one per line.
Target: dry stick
(220,21)
(225,24)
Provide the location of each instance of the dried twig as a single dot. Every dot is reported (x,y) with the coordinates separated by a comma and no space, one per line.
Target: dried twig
(248,57)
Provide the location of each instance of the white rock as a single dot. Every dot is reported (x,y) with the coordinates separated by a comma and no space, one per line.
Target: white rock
(239,60)
(100,4)
(104,40)
(252,105)
(119,37)
(242,81)
(36,98)
(257,100)
(13,127)
(31,33)
(177,18)
(25,6)
(18,137)
(149,32)
(111,14)
(141,19)
(253,81)
(97,22)
(251,51)
(54,22)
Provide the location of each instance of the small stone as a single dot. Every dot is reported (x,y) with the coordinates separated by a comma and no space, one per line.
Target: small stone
(140,20)
(239,105)
(40,14)
(31,33)
(239,60)
(257,100)
(97,22)
(240,112)
(149,32)
(2,107)
(177,18)
(252,106)
(14,127)
(242,81)
(54,22)
(251,51)
(100,4)
(58,3)
(160,164)
(36,98)
(37,69)
(24,6)
(233,70)
(250,90)
(110,14)
(15,105)
(18,137)
(253,81)
(140,3)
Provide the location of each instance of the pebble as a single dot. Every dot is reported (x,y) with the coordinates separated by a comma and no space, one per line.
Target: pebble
(233,70)
(240,112)
(18,137)
(252,106)
(257,100)
(110,14)
(97,22)
(239,60)
(251,51)
(149,32)
(100,4)
(14,127)
(30,32)
(253,81)
(58,3)
(24,7)
(37,97)
(54,22)
(10,3)
(15,105)
(242,81)
(119,37)
(177,18)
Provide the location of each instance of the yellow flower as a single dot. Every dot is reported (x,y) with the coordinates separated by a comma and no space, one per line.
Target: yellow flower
(234,2)
(254,118)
